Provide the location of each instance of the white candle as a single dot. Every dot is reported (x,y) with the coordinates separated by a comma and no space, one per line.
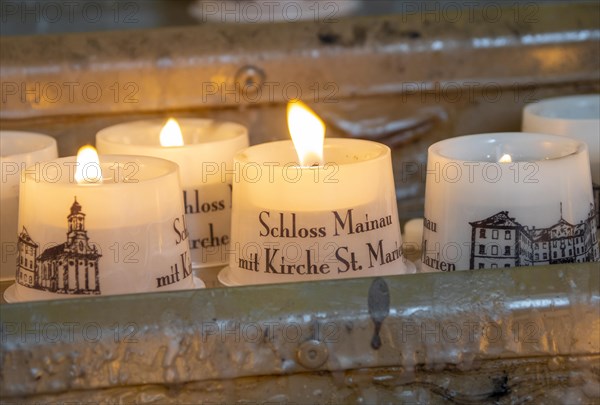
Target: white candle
(124,233)
(314,222)
(18,151)
(413,233)
(574,116)
(485,210)
(204,153)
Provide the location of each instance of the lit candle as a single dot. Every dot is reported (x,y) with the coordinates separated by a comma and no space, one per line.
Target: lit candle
(204,151)
(18,151)
(101,226)
(295,218)
(574,116)
(508,199)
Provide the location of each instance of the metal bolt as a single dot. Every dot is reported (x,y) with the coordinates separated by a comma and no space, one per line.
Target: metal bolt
(312,354)
(249,79)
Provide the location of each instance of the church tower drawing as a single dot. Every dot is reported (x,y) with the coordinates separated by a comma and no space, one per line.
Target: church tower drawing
(68,268)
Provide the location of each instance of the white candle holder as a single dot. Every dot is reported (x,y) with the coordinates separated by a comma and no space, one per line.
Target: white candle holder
(19,150)
(292,223)
(205,163)
(574,116)
(483,213)
(124,235)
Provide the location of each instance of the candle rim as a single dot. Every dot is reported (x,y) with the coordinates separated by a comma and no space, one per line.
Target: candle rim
(48,141)
(577,145)
(168,168)
(383,151)
(550,108)
(110,133)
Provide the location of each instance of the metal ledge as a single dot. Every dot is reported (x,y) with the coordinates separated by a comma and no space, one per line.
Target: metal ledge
(435,321)
(219,64)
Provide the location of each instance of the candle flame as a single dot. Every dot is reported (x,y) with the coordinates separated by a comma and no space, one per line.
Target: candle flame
(170,134)
(307,131)
(88,166)
(505,158)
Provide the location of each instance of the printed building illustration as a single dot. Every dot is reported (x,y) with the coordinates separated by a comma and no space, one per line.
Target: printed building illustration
(26,260)
(501,241)
(68,268)
(596,190)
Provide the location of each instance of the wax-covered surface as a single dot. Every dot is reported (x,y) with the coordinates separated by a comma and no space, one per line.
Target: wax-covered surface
(491,335)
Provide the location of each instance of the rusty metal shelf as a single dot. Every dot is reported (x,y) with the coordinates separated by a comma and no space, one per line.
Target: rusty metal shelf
(446,325)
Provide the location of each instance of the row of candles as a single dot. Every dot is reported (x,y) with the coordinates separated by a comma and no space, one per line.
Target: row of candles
(162,200)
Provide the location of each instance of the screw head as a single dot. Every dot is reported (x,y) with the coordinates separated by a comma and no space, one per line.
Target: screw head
(249,79)
(312,354)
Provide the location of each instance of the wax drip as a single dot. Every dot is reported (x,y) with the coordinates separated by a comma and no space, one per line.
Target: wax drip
(379,307)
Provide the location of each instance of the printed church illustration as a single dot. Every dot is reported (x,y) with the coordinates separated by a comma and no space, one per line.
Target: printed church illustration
(68,268)
(501,241)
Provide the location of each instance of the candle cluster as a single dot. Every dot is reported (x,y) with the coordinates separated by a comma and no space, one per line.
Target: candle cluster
(163,200)
(157,202)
